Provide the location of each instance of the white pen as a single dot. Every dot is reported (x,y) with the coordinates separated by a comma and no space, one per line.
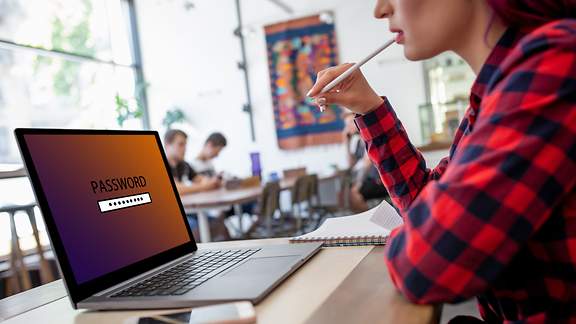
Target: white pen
(355,67)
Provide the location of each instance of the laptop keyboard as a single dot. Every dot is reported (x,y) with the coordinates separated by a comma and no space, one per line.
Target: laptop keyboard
(187,275)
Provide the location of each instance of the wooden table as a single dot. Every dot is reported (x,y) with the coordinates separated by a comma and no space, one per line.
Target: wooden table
(338,285)
(203,202)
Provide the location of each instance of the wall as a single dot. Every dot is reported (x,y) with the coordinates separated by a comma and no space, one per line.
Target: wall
(190,60)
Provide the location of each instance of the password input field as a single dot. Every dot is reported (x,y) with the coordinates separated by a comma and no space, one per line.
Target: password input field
(124,202)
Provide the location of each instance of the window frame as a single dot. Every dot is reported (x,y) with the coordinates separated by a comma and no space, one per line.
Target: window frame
(135,51)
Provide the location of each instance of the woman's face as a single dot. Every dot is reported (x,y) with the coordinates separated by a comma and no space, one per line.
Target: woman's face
(427,28)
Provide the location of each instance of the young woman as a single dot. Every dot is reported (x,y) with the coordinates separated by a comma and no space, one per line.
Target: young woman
(497,218)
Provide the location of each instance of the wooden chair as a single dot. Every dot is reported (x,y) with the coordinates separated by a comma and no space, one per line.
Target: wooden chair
(318,210)
(294,173)
(345,188)
(343,191)
(268,206)
(237,184)
(301,195)
(306,194)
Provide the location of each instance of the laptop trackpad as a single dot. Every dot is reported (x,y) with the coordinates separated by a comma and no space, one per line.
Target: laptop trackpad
(258,266)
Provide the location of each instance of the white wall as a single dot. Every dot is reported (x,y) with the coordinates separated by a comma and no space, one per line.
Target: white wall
(190,61)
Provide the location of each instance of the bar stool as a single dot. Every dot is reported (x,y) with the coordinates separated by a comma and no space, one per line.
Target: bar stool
(21,279)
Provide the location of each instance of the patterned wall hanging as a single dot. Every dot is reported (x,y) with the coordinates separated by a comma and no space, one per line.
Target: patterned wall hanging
(297,50)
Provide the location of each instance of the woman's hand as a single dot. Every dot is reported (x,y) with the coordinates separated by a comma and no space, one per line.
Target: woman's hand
(353,93)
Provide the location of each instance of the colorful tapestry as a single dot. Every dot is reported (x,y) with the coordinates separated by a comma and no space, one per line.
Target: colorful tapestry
(297,50)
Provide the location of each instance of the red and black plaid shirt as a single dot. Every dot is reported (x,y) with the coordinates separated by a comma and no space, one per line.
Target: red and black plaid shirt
(497,218)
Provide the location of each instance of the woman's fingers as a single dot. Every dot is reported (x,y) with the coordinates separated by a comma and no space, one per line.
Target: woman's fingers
(325,99)
(327,76)
(321,103)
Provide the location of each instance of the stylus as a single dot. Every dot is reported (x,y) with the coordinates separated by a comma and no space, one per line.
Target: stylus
(355,67)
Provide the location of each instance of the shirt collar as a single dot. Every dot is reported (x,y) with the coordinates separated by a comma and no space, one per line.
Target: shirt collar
(503,47)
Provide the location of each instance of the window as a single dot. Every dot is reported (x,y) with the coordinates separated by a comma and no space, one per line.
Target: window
(67,64)
(449,82)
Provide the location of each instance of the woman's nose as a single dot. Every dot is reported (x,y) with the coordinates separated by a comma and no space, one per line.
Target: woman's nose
(383,9)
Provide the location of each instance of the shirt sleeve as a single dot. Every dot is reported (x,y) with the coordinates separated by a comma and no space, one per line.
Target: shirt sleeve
(401,166)
(505,179)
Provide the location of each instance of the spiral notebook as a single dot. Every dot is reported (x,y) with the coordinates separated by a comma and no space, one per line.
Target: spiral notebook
(368,228)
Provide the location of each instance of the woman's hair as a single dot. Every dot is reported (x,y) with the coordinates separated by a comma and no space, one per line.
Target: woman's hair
(533,13)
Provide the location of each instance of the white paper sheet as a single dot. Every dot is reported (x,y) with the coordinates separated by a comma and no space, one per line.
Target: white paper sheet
(378,221)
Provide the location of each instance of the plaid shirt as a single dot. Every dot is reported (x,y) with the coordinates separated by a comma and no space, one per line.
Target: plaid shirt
(497,218)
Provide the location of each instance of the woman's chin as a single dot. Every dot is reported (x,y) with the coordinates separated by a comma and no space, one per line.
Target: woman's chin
(416,54)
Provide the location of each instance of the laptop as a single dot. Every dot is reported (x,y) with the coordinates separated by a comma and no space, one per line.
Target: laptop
(119,231)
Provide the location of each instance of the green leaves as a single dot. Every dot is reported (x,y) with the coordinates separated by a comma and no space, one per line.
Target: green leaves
(127,109)
(176,115)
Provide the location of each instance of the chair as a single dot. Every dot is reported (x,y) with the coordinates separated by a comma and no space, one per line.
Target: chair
(238,184)
(20,279)
(268,206)
(316,207)
(322,210)
(305,187)
(294,173)
(345,186)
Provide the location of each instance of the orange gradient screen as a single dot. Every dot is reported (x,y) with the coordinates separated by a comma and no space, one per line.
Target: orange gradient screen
(110,197)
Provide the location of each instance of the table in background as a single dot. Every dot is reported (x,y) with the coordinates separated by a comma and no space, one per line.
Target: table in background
(338,285)
(203,202)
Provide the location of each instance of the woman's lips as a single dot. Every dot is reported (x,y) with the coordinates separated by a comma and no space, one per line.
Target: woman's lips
(400,38)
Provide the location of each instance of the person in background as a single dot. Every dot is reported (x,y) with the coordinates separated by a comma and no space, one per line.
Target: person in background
(211,149)
(496,219)
(188,181)
(213,145)
(366,184)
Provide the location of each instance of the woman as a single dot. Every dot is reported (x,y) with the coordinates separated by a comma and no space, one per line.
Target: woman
(497,218)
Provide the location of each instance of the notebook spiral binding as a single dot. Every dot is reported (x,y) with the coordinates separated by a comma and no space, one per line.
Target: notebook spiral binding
(344,240)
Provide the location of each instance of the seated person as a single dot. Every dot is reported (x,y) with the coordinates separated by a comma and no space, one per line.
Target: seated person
(203,165)
(188,180)
(211,149)
(366,181)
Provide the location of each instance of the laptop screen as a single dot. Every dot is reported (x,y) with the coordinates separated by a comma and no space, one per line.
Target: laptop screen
(110,197)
